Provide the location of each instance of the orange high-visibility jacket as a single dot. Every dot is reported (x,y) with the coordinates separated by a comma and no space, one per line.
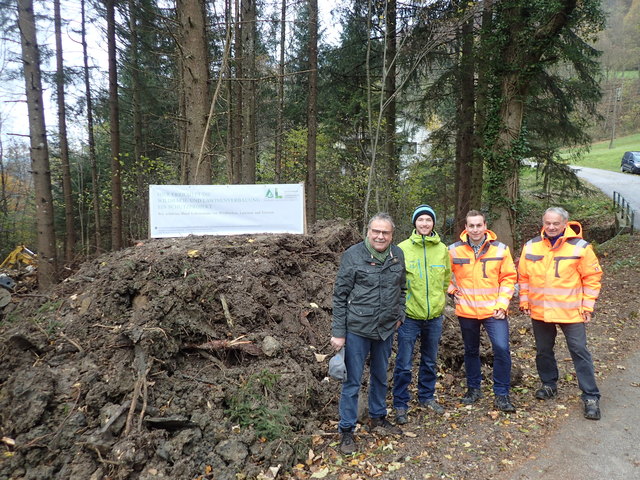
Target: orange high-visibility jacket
(559,283)
(483,284)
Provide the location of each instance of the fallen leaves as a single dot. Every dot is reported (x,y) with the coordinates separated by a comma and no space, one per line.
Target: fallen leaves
(320,473)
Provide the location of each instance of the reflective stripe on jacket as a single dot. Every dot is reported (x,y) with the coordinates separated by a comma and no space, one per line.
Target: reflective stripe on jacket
(483,284)
(559,283)
(428,273)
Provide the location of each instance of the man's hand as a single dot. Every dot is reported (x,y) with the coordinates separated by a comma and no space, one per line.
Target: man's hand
(586,317)
(526,311)
(500,313)
(337,343)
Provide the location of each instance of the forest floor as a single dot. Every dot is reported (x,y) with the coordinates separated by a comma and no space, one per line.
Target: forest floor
(206,358)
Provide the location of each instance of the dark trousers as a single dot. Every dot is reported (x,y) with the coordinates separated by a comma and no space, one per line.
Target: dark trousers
(575,334)
(498,332)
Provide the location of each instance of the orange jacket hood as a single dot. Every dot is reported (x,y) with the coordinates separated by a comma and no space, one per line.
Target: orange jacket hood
(572,230)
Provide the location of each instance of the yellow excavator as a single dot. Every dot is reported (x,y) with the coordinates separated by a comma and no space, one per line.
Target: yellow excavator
(19,255)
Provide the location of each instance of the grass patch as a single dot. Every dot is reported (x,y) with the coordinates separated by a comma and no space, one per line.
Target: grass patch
(601,156)
(255,404)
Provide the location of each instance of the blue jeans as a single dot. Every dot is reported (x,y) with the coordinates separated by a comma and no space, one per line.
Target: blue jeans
(498,332)
(357,349)
(575,335)
(429,332)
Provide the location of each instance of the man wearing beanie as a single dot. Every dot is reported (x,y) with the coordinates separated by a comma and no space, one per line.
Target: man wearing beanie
(428,274)
(483,282)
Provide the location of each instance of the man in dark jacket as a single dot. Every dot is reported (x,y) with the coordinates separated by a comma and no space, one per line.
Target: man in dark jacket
(368,306)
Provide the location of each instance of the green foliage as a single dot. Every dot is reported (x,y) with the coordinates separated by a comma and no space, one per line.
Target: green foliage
(50,306)
(17,209)
(46,318)
(582,204)
(428,180)
(626,264)
(254,404)
(555,78)
(10,318)
(341,176)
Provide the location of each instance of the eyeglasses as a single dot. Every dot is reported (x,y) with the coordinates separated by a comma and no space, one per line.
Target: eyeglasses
(384,233)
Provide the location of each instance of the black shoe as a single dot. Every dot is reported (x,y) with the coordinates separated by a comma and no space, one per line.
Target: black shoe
(401,416)
(472,396)
(385,426)
(431,404)
(347,443)
(503,403)
(546,392)
(592,409)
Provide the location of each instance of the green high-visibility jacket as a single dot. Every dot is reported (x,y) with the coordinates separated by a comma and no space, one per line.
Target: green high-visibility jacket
(428,275)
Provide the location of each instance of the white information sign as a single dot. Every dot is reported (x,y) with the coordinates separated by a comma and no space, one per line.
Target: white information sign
(181,210)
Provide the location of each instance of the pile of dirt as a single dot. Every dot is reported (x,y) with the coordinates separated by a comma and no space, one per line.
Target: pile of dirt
(174,358)
(206,357)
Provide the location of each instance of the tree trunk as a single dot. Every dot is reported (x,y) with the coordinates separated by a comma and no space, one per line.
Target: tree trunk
(464,146)
(519,60)
(39,148)
(236,113)
(482,102)
(194,79)
(136,85)
(511,115)
(70,237)
(390,150)
(137,212)
(95,189)
(280,119)
(312,113)
(229,154)
(114,119)
(248,30)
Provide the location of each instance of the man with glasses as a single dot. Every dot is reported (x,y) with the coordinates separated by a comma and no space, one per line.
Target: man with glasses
(368,306)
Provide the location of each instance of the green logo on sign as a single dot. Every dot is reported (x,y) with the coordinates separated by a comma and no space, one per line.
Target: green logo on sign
(273,194)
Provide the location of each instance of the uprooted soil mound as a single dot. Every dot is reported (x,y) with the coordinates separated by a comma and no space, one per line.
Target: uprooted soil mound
(174,358)
(206,357)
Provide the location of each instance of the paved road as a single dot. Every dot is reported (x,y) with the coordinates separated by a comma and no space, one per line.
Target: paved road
(625,184)
(609,448)
(605,449)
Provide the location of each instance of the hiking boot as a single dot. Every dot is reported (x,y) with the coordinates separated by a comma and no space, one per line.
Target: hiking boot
(472,396)
(546,392)
(431,404)
(592,409)
(503,403)
(383,425)
(347,443)
(401,416)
